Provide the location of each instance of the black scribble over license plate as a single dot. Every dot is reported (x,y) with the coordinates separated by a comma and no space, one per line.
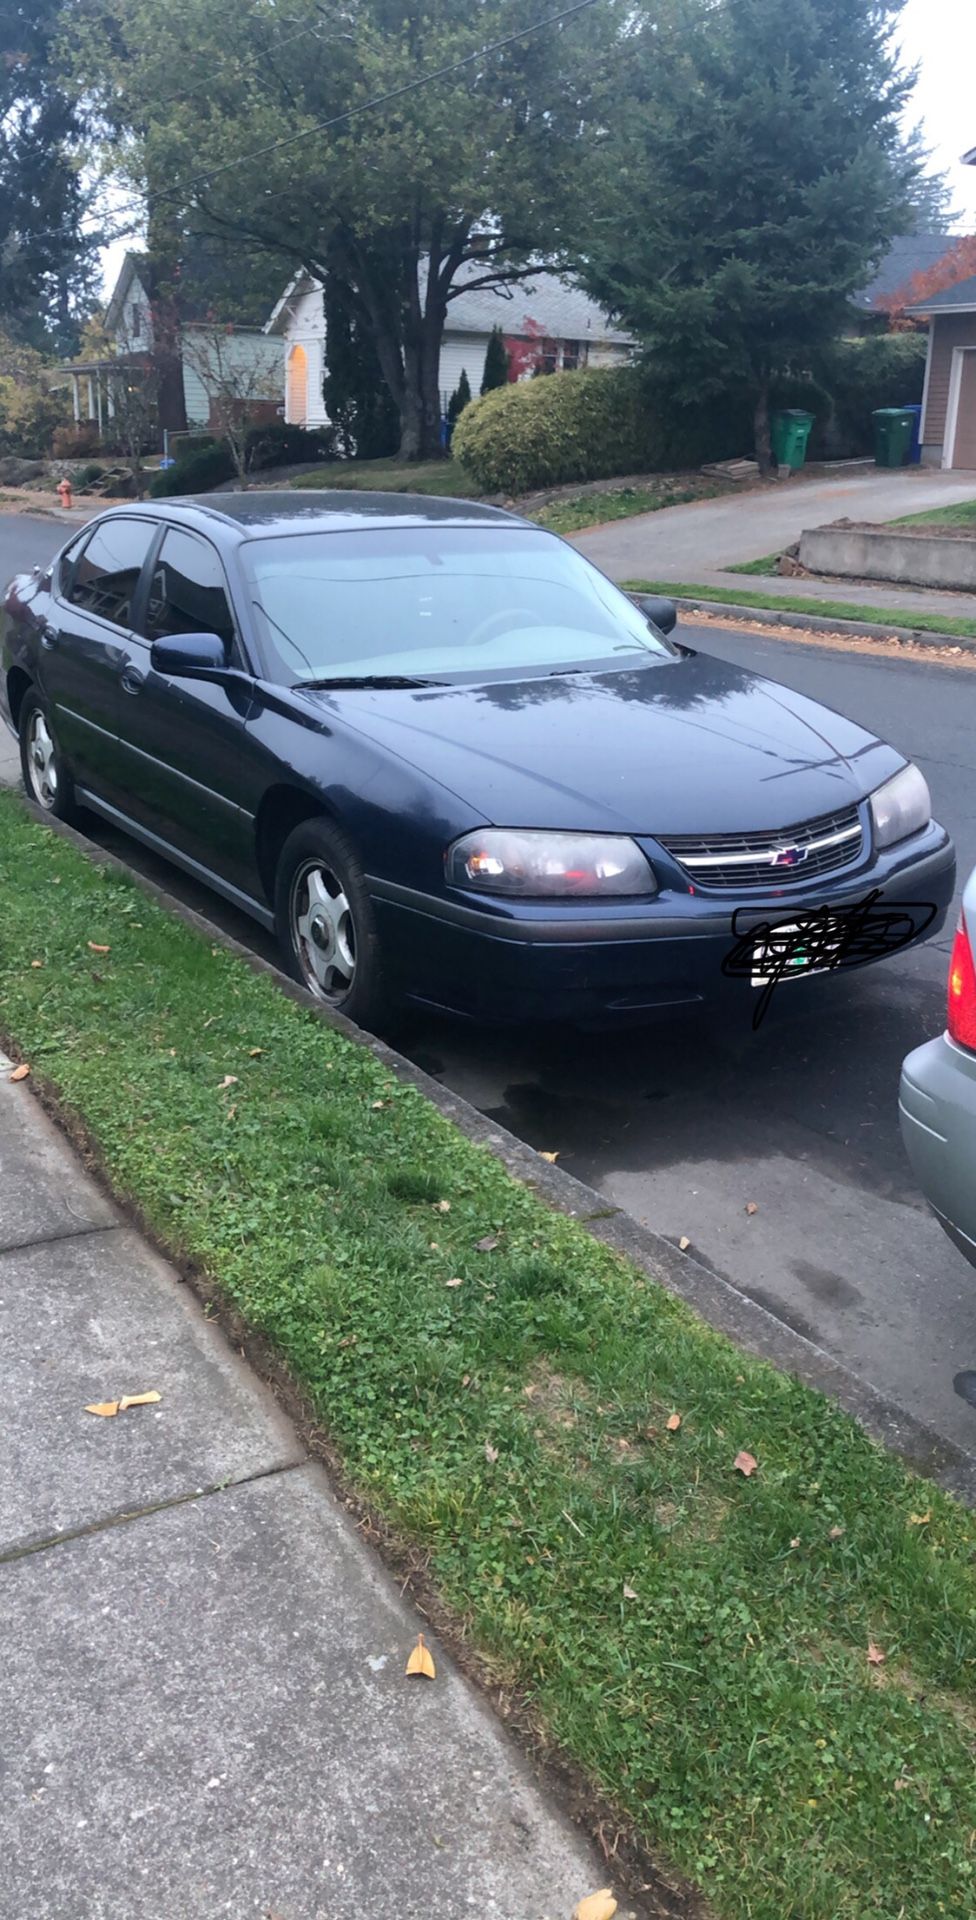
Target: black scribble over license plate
(783,955)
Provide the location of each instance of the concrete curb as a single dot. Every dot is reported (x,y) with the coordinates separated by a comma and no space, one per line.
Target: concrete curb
(713,1297)
(819,623)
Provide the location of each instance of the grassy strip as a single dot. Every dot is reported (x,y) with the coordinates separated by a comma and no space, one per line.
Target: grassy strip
(768,564)
(596,507)
(962,515)
(393,476)
(825,609)
(696,1639)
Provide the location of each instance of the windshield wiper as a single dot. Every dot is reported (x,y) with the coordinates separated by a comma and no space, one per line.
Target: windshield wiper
(370,680)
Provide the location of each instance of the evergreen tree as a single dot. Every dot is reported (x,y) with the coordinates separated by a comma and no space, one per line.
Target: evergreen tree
(755,175)
(459,399)
(357,401)
(496,362)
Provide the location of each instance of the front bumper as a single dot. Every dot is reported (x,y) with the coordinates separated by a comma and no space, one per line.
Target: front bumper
(937,1110)
(543,961)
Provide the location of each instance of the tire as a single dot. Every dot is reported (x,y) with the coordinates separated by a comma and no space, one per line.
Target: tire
(325,922)
(46,778)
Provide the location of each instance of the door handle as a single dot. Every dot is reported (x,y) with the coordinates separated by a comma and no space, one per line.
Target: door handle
(49,637)
(132,679)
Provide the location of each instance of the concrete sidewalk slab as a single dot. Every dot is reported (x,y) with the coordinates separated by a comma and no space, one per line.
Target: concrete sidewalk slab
(89,1318)
(206,1714)
(44,1193)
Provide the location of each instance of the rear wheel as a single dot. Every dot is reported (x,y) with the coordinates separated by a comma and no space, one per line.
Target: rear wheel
(47,781)
(325,922)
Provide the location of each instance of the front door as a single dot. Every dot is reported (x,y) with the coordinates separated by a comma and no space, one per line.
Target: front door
(85,643)
(180,741)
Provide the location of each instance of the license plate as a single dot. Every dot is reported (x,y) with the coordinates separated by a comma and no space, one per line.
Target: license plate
(784,956)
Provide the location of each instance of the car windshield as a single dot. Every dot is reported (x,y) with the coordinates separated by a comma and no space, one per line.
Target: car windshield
(428,601)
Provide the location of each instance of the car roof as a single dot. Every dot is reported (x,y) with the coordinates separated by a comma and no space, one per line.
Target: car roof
(292,510)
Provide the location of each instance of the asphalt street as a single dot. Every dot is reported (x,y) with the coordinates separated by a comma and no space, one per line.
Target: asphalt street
(775,1153)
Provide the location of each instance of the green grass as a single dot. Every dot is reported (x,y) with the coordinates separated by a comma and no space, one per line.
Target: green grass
(696,1640)
(953,626)
(769,563)
(393,476)
(619,503)
(961,515)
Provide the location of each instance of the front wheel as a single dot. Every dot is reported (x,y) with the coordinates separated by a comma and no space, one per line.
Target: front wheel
(47,781)
(325,922)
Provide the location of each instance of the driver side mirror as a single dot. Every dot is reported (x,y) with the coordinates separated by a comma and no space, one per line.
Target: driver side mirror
(190,656)
(663,614)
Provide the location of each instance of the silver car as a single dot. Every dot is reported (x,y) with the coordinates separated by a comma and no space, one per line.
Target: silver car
(937,1098)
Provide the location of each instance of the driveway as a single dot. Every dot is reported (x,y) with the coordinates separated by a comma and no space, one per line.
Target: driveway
(693,542)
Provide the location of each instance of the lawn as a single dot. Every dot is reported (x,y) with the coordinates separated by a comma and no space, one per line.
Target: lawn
(954,626)
(961,515)
(771,1675)
(566,514)
(393,476)
(598,505)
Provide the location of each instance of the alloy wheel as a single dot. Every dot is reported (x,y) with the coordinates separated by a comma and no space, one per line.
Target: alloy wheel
(322,931)
(41,758)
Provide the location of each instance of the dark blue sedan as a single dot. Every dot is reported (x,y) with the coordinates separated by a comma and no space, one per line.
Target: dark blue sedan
(444,758)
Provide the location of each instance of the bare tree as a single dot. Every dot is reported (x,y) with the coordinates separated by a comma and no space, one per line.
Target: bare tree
(237,381)
(133,421)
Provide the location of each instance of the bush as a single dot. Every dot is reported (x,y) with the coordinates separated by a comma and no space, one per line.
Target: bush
(76,442)
(196,472)
(574,426)
(882,370)
(277,443)
(30,409)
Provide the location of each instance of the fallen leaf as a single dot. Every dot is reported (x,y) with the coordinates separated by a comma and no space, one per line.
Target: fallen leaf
(488,1244)
(106,1408)
(744,1464)
(442,1206)
(919,1519)
(37,963)
(836,1533)
(21,1072)
(456,1282)
(93,947)
(465,1379)
(138,1400)
(876,1656)
(551,1157)
(491,1453)
(684,1243)
(252,1052)
(751,1207)
(596,1906)
(674,1422)
(629,1593)
(795,1540)
(229,1080)
(421,1660)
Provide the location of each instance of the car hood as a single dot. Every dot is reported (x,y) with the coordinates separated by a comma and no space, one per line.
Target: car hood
(687,745)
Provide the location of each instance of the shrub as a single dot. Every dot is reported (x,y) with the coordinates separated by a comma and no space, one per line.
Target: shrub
(277,443)
(460,398)
(77,441)
(882,370)
(30,409)
(586,425)
(196,472)
(496,362)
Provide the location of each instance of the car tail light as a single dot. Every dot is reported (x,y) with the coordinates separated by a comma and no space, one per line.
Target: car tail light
(962,990)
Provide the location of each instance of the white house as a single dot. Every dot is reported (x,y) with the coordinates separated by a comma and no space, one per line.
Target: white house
(555,314)
(243,357)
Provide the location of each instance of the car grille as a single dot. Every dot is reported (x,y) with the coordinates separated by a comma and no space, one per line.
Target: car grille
(797,855)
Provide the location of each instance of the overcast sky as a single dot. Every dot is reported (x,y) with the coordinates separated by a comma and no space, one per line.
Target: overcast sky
(939,36)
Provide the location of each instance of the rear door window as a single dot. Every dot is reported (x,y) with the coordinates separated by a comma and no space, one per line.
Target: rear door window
(105,579)
(188,592)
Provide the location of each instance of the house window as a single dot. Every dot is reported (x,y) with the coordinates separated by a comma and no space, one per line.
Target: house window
(574,355)
(548,356)
(135,324)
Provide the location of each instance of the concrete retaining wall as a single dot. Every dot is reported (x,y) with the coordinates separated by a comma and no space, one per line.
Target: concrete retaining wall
(910,559)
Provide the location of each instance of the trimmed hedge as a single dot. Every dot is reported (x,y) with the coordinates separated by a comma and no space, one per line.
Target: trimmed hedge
(587,425)
(196,472)
(278,443)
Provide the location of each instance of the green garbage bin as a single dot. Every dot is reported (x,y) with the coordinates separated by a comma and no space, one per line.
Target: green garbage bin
(790,432)
(893,430)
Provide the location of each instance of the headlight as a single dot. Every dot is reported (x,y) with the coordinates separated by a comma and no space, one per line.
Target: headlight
(553,865)
(900,807)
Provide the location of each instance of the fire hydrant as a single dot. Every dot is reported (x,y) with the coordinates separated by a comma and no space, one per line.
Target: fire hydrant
(64,490)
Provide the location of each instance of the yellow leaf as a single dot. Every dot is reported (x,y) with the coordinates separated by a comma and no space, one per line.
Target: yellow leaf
(629,1593)
(551,1157)
(93,947)
(674,1422)
(104,1407)
(421,1660)
(37,963)
(744,1464)
(684,1243)
(21,1072)
(491,1453)
(229,1080)
(252,1052)
(138,1400)
(919,1519)
(456,1282)
(442,1206)
(597,1906)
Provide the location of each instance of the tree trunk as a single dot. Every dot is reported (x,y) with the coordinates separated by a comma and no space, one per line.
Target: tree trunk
(163,260)
(760,426)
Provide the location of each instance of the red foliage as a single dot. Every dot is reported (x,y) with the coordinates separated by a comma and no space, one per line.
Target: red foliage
(525,349)
(957,263)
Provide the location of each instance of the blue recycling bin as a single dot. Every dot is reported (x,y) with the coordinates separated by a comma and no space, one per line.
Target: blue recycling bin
(915,450)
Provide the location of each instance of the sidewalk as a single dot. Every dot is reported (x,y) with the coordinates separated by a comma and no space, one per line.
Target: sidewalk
(202,1693)
(875,598)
